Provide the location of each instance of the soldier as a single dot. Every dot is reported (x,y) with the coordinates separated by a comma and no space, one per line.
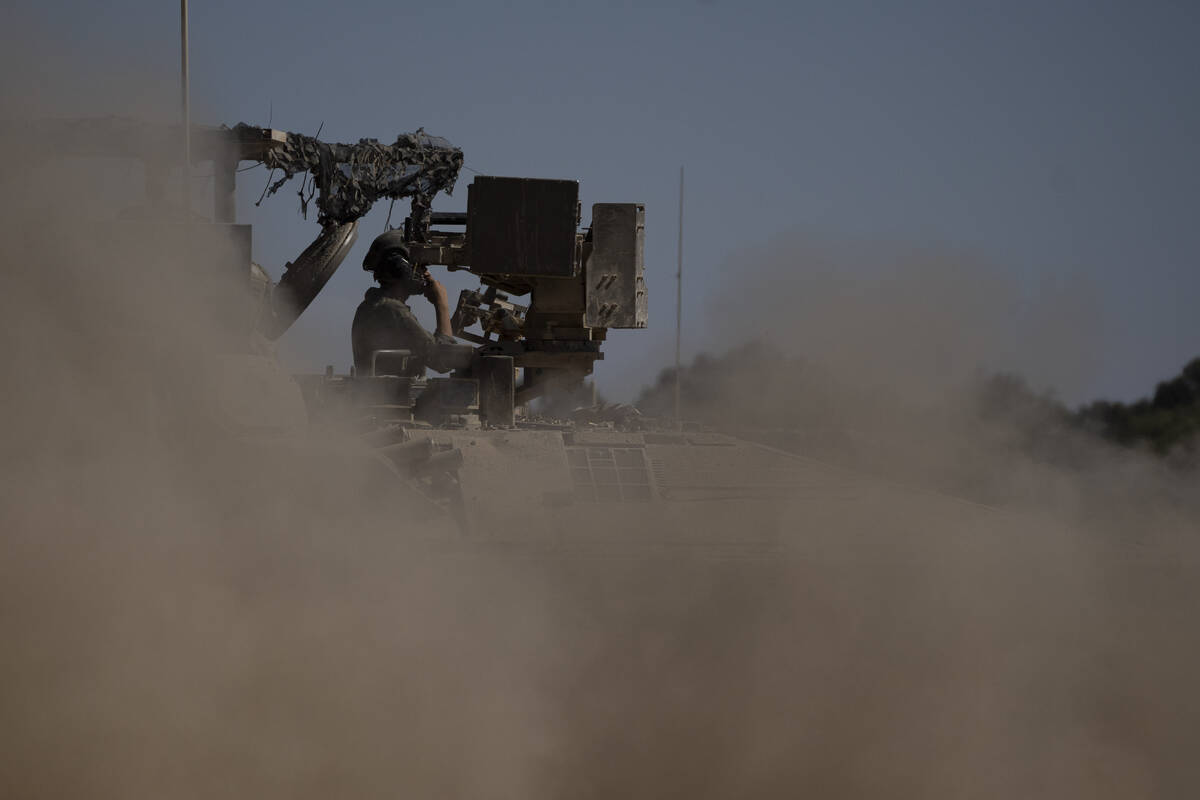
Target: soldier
(384,321)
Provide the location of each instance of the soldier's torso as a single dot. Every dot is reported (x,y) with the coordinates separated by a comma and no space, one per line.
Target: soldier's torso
(386,323)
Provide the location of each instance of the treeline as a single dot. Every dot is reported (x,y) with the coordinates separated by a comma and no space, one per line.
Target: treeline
(756,385)
(1165,422)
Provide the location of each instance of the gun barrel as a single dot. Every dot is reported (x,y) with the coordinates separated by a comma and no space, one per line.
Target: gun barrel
(448,218)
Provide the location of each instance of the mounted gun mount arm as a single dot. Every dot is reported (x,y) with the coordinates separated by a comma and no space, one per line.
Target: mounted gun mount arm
(304,278)
(349,178)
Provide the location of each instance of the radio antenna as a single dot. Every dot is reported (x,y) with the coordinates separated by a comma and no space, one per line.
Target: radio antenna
(679,306)
(185,101)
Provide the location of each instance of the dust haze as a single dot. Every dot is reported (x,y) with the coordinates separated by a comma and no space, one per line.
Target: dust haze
(187,613)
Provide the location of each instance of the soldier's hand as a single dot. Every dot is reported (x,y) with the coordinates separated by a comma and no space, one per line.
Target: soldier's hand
(434,291)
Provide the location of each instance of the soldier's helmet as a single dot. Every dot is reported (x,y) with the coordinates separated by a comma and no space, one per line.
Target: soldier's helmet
(389,259)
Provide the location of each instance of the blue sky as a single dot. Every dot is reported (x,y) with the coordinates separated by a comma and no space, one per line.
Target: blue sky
(1053,140)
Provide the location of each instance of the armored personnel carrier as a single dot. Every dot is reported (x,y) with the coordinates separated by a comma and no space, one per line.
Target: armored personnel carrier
(471,448)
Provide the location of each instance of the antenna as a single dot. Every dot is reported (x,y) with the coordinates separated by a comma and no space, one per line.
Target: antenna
(187,111)
(679,305)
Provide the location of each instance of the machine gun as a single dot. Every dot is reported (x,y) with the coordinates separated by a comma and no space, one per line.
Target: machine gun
(521,237)
(492,312)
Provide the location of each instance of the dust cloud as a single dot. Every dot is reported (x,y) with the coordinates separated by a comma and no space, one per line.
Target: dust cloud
(190,611)
(989,602)
(930,366)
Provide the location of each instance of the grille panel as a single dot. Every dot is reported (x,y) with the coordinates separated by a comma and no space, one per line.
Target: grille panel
(609,474)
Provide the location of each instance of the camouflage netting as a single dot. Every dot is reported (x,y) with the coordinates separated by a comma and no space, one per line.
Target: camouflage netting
(349,178)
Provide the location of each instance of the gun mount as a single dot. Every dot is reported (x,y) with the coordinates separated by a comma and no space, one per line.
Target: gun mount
(492,312)
(521,237)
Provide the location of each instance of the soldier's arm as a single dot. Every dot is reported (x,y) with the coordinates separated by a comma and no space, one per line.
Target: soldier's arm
(436,293)
(439,351)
